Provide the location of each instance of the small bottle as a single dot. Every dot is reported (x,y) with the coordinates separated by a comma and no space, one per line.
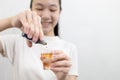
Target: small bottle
(38,41)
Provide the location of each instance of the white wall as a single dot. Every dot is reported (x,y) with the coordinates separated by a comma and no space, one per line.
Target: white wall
(93,25)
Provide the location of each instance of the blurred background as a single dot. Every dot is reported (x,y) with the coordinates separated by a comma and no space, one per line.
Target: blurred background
(92,25)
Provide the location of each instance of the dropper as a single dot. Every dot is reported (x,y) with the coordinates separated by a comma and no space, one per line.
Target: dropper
(37,42)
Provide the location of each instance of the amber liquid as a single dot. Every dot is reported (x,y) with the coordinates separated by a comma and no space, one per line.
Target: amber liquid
(46,60)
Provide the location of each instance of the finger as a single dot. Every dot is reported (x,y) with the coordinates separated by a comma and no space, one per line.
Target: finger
(41,34)
(31,24)
(63,63)
(59,55)
(59,69)
(29,43)
(36,27)
(23,20)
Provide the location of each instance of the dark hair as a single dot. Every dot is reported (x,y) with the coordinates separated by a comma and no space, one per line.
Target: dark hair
(56,29)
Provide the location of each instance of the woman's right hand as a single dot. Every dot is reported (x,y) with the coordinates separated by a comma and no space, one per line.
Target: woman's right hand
(30,23)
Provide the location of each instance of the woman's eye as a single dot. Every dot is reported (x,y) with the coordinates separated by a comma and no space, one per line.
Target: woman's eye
(52,10)
(39,9)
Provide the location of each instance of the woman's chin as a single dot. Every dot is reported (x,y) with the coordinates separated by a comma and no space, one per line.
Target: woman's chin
(46,31)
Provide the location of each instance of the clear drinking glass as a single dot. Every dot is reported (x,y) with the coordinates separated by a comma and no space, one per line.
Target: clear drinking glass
(46,56)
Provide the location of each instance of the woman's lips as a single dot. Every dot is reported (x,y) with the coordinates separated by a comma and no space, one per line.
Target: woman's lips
(46,24)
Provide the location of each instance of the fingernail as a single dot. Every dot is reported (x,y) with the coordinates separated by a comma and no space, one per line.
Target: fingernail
(29,36)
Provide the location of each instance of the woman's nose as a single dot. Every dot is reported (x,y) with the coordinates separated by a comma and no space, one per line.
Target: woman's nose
(45,15)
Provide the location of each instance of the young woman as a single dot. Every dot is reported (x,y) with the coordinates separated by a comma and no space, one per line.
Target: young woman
(39,23)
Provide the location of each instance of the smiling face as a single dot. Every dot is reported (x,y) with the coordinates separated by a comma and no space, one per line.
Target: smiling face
(49,11)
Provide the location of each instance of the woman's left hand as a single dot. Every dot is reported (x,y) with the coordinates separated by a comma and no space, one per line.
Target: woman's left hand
(61,64)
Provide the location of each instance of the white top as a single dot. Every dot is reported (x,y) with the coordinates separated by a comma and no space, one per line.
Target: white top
(26,61)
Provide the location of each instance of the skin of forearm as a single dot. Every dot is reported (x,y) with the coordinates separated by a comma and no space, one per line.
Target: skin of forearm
(5,23)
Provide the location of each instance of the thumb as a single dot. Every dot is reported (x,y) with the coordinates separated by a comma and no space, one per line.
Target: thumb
(29,43)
